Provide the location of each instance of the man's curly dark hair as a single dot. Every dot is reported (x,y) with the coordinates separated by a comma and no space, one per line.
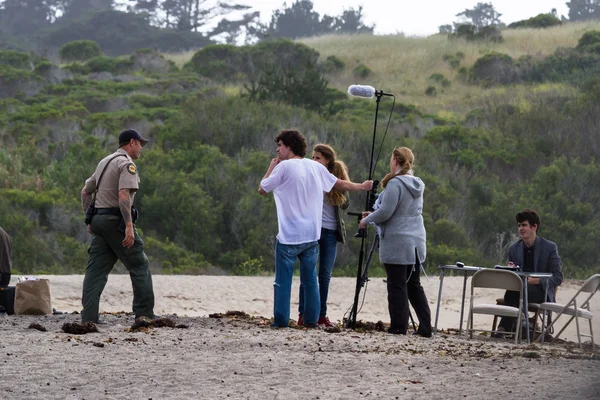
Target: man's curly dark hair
(293,139)
(530,216)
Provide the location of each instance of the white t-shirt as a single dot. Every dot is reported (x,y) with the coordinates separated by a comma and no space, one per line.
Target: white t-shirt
(298,186)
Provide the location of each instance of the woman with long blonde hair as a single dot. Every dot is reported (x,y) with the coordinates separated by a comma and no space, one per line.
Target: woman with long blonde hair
(402,247)
(333,229)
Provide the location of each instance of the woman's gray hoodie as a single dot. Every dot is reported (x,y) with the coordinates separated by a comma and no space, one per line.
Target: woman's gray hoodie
(399,221)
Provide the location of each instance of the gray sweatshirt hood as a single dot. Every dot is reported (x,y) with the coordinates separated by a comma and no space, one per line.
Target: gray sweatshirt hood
(413,184)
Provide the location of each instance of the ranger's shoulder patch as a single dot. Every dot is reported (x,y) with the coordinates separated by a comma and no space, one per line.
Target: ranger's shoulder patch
(131,168)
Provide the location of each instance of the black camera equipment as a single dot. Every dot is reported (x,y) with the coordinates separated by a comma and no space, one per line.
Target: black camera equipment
(371,197)
(361,273)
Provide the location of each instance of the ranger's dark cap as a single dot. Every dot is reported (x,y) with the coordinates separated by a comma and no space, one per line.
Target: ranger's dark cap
(128,134)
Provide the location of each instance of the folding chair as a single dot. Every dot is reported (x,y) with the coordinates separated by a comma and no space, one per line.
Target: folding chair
(534,308)
(591,286)
(496,279)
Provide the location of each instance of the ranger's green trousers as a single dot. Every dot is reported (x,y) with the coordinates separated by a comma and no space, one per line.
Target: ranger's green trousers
(105,249)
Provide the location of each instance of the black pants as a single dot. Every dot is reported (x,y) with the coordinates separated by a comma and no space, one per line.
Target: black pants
(4,279)
(402,290)
(535,294)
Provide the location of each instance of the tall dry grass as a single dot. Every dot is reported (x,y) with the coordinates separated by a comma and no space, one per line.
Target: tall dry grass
(402,65)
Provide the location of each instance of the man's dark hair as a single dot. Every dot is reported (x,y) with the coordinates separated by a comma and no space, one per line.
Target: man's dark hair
(530,216)
(293,139)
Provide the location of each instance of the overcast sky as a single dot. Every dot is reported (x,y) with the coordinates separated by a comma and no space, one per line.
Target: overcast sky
(417,17)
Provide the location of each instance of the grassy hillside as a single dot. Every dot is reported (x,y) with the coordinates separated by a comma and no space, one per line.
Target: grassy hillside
(402,65)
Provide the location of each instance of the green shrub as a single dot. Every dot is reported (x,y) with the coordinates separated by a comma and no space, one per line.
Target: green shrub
(250,267)
(452,60)
(431,91)
(361,71)
(539,21)
(440,78)
(14,59)
(589,42)
(470,33)
(110,64)
(42,67)
(333,65)
(494,68)
(222,62)
(80,50)
(588,38)
(77,68)
(565,65)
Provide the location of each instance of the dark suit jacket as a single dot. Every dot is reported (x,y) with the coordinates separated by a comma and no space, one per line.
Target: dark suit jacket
(545,259)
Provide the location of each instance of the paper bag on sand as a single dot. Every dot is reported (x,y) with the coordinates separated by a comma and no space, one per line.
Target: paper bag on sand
(33,297)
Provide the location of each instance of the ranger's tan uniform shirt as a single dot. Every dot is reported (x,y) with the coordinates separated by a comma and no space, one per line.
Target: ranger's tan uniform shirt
(121,173)
(5,253)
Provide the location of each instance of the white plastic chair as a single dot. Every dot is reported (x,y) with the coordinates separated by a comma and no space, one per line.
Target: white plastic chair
(591,286)
(496,279)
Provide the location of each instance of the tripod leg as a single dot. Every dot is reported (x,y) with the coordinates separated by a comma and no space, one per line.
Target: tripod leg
(362,277)
(374,245)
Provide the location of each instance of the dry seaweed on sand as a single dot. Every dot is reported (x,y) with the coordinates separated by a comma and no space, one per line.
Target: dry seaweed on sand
(79,328)
(144,323)
(37,326)
(362,326)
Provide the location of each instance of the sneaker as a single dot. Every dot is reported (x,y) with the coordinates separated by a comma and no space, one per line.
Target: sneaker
(300,320)
(325,321)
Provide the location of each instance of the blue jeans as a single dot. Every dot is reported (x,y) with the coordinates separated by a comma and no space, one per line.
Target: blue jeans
(285,258)
(327,253)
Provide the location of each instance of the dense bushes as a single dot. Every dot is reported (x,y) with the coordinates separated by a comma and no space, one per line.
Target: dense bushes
(470,33)
(573,65)
(494,68)
(14,59)
(272,70)
(539,21)
(80,50)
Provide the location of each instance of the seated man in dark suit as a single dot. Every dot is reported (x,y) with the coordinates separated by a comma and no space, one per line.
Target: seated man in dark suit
(532,253)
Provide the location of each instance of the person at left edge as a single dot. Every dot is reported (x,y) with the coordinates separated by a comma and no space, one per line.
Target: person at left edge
(5,258)
(114,201)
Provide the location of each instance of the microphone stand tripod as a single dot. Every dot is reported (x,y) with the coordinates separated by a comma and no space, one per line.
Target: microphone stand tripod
(362,233)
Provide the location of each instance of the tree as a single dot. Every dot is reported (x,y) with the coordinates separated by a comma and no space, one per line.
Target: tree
(482,15)
(231,30)
(445,29)
(185,15)
(351,22)
(77,8)
(581,10)
(300,20)
(23,17)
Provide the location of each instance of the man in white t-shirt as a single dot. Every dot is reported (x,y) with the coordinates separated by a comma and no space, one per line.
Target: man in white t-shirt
(298,185)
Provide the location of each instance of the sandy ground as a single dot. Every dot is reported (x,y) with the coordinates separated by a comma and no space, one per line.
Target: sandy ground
(244,358)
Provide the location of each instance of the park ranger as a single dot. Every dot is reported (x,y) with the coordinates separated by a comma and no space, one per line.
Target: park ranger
(107,199)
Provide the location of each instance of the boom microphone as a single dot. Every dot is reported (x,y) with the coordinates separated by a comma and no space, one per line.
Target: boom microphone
(365,91)
(361,91)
